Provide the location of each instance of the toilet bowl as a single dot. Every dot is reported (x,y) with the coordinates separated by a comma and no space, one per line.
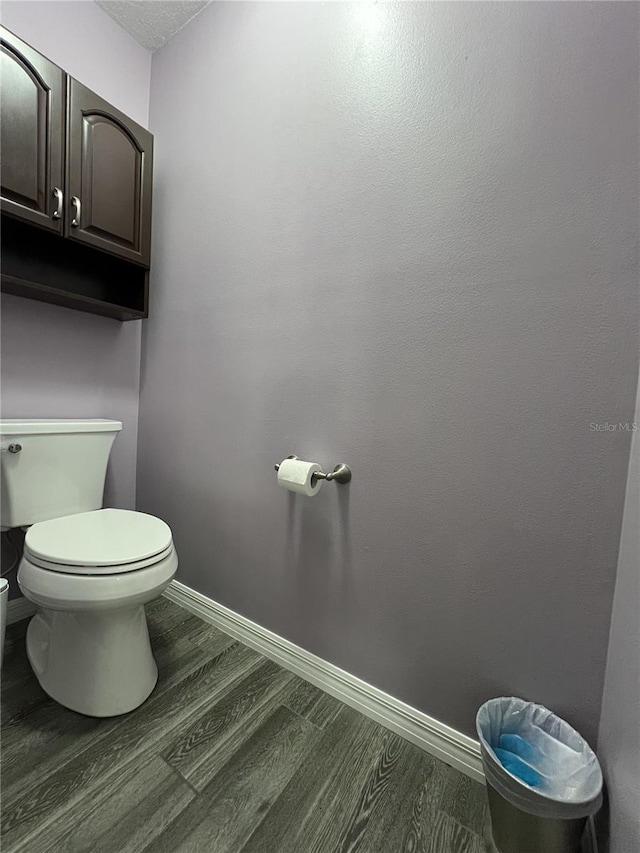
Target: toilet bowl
(90,575)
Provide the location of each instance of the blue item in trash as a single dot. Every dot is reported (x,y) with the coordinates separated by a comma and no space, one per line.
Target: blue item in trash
(522,748)
(518,767)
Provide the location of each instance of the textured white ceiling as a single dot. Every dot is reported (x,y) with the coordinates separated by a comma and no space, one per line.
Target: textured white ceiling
(152,22)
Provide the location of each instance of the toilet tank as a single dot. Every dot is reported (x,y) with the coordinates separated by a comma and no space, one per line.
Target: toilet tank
(59,469)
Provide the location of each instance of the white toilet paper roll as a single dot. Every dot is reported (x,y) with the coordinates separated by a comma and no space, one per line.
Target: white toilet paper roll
(297,476)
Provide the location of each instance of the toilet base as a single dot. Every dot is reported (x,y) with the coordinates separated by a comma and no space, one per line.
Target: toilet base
(96,663)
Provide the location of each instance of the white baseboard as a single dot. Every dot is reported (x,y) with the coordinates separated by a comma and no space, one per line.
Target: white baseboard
(436,738)
(18,609)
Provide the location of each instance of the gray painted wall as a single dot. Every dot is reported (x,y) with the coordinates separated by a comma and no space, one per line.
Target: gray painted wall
(400,236)
(57,362)
(619,737)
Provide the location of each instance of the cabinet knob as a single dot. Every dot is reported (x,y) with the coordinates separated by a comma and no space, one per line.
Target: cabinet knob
(77,209)
(59,197)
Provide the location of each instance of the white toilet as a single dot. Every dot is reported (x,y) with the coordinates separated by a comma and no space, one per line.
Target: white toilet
(88,570)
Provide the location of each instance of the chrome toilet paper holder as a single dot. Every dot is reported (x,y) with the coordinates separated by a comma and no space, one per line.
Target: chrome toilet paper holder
(341,473)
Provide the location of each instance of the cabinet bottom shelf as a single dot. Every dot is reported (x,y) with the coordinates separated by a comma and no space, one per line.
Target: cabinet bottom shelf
(54,296)
(49,268)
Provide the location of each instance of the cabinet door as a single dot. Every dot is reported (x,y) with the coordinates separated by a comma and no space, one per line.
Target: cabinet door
(32,118)
(109,173)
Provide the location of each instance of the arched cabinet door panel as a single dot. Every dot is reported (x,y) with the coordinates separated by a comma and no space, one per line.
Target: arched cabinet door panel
(32,128)
(109,177)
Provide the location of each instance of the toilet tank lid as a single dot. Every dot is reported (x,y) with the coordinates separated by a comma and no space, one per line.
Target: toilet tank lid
(46,426)
(103,537)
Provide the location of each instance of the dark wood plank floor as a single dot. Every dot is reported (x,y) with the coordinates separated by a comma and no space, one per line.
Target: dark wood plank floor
(230,754)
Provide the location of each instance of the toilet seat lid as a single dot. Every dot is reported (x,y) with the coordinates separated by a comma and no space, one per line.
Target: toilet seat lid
(104,537)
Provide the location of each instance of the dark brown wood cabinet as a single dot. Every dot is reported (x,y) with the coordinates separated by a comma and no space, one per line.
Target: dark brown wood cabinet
(32,94)
(76,167)
(108,182)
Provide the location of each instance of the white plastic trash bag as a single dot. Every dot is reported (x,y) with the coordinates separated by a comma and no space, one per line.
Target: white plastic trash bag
(536,761)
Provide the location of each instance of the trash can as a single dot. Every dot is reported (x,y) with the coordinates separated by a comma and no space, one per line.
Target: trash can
(543,778)
(4,595)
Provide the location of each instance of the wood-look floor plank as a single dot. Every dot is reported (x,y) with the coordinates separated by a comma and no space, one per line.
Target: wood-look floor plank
(21,694)
(41,742)
(382,816)
(465,801)
(37,743)
(210,643)
(20,691)
(314,704)
(164,616)
(194,629)
(281,766)
(426,809)
(214,736)
(392,825)
(125,814)
(347,836)
(16,631)
(124,743)
(15,656)
(325,789)
(448,835)
(235,802)
(15,667)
